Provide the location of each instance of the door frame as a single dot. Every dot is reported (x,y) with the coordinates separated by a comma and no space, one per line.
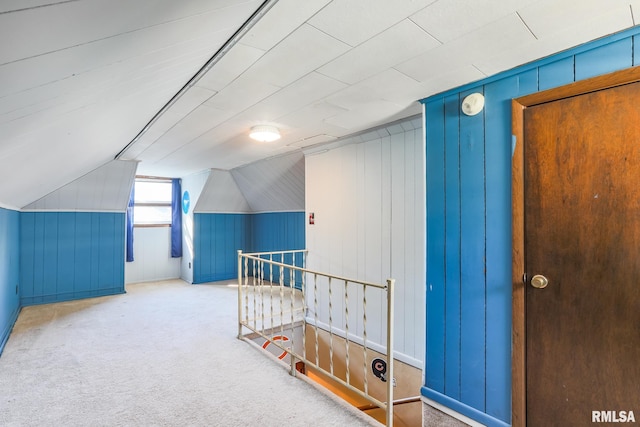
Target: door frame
(518,105)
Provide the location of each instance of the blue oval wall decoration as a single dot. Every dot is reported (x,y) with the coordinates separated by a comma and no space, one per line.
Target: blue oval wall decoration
(186,201)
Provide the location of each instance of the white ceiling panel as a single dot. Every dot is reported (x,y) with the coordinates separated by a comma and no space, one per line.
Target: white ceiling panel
(449,20)
(377,110)
(191,100)
(311,115)
(242,93)
(307,90)
(69,63)
(456,77)
(81,79)
(18,5)
(312,140)
(547,17)
(282,19)
(191,127)
(94,84)
(484,42)
(311,48)
(564,38)
(230,66)
(390,85)
(397,44)
(73,24)
(355,21)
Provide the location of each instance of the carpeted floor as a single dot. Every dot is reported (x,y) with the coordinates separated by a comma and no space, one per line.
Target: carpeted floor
(163,354)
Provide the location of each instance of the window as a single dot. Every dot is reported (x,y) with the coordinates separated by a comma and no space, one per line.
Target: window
(152,202)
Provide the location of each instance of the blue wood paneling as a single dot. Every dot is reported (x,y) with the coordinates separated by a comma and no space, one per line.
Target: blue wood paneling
(277,231)
(70,255)
(469,224)
(218,236)
(452,246)
(9,272)
(435,313)
(472,275)
(498,247)
(604,59)
(557,74)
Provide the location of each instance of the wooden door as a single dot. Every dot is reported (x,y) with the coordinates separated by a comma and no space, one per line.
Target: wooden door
(582,232)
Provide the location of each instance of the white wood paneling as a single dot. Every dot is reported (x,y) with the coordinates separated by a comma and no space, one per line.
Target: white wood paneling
(104,189)
(152,256)
(272,185)
(368,200)
(221,194)
(193,184)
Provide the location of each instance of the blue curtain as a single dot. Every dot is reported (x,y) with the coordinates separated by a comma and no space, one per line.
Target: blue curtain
(129,249)
(176,219)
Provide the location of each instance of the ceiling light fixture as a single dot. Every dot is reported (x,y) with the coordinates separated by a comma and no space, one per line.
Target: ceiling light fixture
(264,133)
(473,104)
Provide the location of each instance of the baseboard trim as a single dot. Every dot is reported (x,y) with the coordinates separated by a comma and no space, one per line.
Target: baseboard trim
(7,332)
(459,410)
(70,296)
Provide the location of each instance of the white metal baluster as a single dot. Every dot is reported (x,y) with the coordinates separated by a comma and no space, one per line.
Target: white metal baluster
(246,291)
(281,300)
(261,272)
(315,313)
(255,310)
(346,326)
(271,289)
(364,336)
(239,294)
(292,285)
(330,330)
(304,306)
(390,314)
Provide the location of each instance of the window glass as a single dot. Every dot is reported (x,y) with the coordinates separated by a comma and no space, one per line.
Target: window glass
(152,202)
(153,192)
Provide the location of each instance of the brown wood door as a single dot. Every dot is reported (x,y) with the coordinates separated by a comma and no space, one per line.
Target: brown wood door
(582,232)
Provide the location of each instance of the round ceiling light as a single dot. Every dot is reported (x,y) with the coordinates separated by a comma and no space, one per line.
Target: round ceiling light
(264,133)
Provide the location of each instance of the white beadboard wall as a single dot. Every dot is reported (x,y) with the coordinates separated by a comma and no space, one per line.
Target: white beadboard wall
(152,256)
(194,184)
(105,189)
(221,194)
(367,195)
(275,184)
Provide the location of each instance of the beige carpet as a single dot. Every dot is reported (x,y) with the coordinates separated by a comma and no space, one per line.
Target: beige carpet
(164,354)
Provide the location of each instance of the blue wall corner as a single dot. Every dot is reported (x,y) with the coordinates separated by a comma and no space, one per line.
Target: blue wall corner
(468,167)
(9,272)
(218,237)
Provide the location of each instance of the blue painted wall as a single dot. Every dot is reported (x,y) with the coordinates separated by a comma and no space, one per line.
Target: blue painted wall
(216,240)
(218,236)
(70,255)
(9,272)
(468,164)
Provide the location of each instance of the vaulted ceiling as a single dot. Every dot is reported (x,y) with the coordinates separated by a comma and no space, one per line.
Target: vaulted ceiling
(177,85)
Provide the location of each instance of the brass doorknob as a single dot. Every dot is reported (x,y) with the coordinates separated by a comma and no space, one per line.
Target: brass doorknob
(539,281)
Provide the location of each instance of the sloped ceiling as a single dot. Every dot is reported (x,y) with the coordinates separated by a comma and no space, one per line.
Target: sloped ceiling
(81,79)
